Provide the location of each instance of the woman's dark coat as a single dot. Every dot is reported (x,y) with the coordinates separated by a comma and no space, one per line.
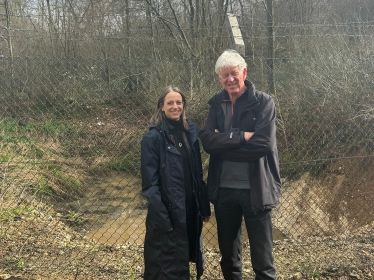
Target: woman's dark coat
(166,253)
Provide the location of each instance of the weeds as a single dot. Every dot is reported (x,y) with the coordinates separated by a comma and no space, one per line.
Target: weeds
(20,265)
(316,275)
(74,218)
(7,214)
(42,187)
(132,274)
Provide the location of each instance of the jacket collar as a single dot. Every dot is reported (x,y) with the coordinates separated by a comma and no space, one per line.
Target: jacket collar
(164,129)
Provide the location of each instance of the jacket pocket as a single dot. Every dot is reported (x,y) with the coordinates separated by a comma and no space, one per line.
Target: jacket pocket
(249,122)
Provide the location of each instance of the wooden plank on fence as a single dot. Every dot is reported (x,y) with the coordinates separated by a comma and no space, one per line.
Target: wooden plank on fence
(236,38)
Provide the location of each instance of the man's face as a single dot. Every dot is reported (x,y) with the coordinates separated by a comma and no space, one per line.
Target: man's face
(232,79)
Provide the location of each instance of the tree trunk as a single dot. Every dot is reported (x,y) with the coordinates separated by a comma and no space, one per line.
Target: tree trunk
(270,59)
(9,35)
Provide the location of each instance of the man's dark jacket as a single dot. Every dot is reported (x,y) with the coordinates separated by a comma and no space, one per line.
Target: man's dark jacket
(258,116)
(166,254)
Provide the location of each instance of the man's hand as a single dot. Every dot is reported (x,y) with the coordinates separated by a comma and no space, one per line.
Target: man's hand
(206,219)
(248,135)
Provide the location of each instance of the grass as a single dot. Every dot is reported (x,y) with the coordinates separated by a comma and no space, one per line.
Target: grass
(53,160)
(125,163)
(29,161)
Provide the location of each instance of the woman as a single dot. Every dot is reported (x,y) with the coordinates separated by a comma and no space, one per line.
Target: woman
(172,180)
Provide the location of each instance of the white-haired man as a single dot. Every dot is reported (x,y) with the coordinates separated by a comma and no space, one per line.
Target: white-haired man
(243,178)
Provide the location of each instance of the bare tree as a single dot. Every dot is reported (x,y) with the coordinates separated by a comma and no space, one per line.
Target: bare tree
(8,34)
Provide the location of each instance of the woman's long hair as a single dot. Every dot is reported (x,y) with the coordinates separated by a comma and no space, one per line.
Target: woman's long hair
(159,115)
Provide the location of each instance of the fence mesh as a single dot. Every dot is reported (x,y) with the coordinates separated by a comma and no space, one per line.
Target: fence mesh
(70,131)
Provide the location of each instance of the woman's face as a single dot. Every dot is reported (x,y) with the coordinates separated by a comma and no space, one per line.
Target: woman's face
(173,105)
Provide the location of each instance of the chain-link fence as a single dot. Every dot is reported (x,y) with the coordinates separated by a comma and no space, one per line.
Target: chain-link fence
(70,159)
(70,131)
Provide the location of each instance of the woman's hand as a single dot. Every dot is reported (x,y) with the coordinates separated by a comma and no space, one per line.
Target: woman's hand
(206,219)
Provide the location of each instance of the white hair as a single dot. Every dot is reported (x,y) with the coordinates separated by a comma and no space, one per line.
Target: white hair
(230,58)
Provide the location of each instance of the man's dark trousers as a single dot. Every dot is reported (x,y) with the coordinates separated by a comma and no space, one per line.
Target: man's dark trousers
(231,206)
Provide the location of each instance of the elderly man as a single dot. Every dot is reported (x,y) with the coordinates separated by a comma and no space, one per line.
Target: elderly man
(243,178)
